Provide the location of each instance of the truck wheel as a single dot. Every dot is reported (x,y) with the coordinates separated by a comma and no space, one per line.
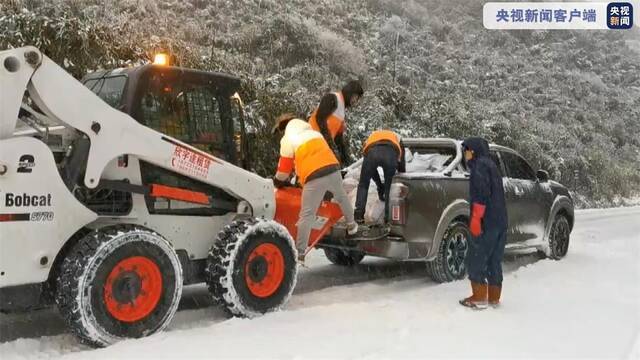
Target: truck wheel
(449,263)
(119,282)
(251,268)
(558,238)
(343,257)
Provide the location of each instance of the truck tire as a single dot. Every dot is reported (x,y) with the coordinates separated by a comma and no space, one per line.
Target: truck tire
(251,268)
(343,257)
(118,282)
(449,264)
(558,244)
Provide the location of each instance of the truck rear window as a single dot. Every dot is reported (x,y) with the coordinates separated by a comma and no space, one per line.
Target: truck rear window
(428,159)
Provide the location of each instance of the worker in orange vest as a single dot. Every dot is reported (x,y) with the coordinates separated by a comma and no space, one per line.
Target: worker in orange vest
(329,117)
(304,150)
(384,149)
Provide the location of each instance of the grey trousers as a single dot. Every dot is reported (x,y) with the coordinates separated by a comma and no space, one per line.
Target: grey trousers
(312,195)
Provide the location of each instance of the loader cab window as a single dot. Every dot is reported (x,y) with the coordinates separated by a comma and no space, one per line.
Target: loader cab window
(109,89)
(186,110)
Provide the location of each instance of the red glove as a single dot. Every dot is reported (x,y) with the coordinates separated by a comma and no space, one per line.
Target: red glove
(477,213)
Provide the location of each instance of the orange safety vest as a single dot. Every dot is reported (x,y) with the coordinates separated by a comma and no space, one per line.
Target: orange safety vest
(305,149)
(311,156)
(335,121)
(383,135)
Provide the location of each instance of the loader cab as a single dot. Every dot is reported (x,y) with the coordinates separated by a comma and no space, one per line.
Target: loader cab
(197,107)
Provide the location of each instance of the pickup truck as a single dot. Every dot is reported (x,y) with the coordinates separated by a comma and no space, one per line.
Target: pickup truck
(430,211)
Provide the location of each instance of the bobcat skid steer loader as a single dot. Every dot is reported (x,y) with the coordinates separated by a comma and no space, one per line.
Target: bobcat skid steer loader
(117,192)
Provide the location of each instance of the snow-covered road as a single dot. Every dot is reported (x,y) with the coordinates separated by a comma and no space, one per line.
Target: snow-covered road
(587,305)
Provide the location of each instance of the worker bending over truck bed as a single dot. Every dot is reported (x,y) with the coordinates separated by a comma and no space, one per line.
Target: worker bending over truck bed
(382,149)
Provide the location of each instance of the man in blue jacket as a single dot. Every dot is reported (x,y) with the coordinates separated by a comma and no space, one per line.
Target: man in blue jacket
(488,226)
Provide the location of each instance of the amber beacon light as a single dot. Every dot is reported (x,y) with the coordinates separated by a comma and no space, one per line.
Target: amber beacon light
(161,59)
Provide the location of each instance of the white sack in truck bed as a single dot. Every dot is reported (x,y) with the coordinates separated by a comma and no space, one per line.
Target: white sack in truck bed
(415,163)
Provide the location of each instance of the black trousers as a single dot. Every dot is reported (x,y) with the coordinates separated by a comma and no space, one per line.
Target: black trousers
(385,156)
(484,256)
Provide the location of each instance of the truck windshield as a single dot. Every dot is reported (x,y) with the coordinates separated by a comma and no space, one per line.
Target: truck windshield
(109,89)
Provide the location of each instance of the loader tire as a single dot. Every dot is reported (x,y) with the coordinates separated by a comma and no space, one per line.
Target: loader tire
(343,257)
(119,282)
(251,268)
(449,264)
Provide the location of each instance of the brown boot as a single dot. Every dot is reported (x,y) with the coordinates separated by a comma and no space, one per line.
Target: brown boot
(494,295)
(478,300)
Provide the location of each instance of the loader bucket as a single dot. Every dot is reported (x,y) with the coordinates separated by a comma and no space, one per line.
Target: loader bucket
(288,203)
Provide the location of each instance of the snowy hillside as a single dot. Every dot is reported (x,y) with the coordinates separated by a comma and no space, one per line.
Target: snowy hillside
(567,100)
(585,306)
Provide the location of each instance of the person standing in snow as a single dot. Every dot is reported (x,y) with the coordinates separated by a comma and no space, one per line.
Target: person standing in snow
(383,149)
(329,118)
(304,150)
(488,226)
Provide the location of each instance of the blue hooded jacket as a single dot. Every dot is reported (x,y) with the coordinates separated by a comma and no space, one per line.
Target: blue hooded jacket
(485,184)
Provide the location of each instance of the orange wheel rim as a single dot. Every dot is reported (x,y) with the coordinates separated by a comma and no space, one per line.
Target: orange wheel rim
(133,289)
(264,270)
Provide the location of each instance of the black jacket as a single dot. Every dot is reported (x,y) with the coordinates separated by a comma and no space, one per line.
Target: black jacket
(485,184)
(391,148)
(402,164)
(339,145)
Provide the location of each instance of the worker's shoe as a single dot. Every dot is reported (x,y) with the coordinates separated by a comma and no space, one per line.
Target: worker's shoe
(494,295)
(300,261)
(479,299)
(352,228)
(359,216)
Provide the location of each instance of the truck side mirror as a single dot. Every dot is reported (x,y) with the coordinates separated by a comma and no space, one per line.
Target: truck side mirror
(542,176)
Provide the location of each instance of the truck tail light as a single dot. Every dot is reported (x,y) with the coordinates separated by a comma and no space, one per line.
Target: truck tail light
(396,213)
(398,203)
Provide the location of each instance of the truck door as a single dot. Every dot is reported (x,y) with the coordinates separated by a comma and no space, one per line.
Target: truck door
(511,229)
(523,193)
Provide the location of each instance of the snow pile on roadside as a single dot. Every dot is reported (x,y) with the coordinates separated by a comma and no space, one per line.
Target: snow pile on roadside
(44,347)
(583,202)
(583,306)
